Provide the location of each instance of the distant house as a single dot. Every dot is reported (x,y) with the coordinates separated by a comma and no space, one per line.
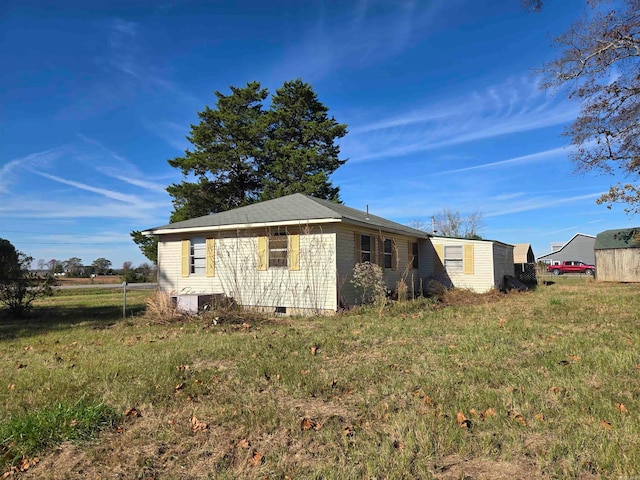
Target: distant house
(524,268)
(617,255)
(579,248)
(523,253)
(296,254)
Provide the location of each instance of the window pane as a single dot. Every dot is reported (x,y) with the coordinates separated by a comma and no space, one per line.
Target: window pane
(453,258)
(197,256)
(365,248)
(278,250)
(388,253)
(365,243)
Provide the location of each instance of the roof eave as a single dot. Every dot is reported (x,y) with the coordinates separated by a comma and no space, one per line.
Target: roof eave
(239,226)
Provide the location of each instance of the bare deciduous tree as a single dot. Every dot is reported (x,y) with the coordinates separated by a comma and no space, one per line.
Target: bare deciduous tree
(599,61)
(451,223)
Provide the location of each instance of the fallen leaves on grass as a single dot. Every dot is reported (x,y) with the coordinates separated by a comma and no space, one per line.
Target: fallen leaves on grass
(572,359)
(197,425)
(314,350)
(24,465)
(622,408)
(257,458)
(309,423)
(518,417)
(463,422)
(244,444)
(606,425)
(132,413)
(489,412)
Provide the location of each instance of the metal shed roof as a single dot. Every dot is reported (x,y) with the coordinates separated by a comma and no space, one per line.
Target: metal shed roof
(622,238)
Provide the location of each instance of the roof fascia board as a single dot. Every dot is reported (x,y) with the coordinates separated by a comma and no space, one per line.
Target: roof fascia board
(240,226)
(379,228)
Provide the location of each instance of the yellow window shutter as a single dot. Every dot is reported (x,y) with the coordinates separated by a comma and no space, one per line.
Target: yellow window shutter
(186,245)
(262,253)
(294,252)
(468,260)
(356,241)
(438,258)
(211,258)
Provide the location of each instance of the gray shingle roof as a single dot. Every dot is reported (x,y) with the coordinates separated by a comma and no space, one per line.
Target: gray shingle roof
(622,238)
(296,207)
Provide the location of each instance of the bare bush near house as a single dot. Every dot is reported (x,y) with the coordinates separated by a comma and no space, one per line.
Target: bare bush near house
(369,279)
(402,291)
(162,310)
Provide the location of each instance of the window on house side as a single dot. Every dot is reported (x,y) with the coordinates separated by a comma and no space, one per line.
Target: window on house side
(278,250)
(453,258)
(414,255)
(365,248)
(198,257)
(388,253)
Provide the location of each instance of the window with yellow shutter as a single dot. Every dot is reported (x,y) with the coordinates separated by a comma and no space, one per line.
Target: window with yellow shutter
(453,258)
(278,250)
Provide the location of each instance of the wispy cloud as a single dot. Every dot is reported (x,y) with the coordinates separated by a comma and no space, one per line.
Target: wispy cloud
(367,33)
(521,160)
(122,46)
(119,167)
(45,209)
(514,107)
(38,159)
(123,197)
(155,187)
(539,203)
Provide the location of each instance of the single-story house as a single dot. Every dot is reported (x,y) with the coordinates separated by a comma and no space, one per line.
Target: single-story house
(296,254)
(579,247)
(618,255)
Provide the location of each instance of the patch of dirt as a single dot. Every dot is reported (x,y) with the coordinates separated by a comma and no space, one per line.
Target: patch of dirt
(453,467)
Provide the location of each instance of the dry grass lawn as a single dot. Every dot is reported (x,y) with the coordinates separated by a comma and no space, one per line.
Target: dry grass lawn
(543,384)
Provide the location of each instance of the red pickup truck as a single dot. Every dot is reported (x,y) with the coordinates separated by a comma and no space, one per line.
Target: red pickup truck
(571,266)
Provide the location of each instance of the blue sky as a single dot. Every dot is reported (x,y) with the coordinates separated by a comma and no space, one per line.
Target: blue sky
(441,98)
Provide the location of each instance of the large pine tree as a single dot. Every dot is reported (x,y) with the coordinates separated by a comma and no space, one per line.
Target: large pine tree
(300,150)
(244,153)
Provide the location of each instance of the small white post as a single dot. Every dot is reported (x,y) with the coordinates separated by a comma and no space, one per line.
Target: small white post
(124,300)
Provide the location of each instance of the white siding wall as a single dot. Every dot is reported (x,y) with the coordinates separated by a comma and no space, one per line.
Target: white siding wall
(482,279)
(346,260)
(236,273)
